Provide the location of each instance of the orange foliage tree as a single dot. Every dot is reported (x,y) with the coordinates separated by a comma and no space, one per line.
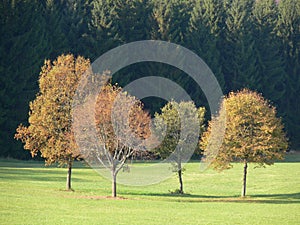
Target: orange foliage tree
(122,127)
(50,122)
(253,133)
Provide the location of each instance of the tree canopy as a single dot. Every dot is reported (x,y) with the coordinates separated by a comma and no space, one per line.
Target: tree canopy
(50,121)
(254,134)
(246,43)
(122,127)
(182,125)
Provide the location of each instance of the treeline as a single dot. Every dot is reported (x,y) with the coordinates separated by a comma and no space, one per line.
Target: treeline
(247,43)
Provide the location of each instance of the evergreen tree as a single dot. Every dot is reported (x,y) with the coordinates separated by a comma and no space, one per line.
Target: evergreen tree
(204,33)
(57,35)
(239,56)
(288,29)
(133,20)
(77,16)
(172,18)
(23,47)
(102,32)
(270,63)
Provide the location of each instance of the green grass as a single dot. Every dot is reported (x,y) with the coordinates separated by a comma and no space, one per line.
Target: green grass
(33,194)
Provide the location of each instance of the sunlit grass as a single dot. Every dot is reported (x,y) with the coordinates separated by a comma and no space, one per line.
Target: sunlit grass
(33,194)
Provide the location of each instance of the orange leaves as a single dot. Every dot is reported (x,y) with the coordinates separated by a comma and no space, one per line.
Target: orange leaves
(50,129)
(253,132)
(120,119)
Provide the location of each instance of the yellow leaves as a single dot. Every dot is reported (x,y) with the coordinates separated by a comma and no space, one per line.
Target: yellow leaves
(253,132)
(49,130)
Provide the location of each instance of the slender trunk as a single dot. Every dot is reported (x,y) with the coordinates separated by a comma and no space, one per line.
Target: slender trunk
(180,178)
(114,185)
(244,179)
(68,184)
(114,181)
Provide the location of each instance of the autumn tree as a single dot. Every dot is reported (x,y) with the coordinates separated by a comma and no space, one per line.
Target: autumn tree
(122,127)
(253,133)
(180,124)
(50,123)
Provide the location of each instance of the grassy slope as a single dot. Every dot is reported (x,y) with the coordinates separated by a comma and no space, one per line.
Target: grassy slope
(32,194)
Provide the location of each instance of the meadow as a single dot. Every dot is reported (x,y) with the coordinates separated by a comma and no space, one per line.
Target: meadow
(31,193)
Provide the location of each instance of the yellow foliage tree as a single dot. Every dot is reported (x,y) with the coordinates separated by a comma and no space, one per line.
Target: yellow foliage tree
(253,133)
(50,121)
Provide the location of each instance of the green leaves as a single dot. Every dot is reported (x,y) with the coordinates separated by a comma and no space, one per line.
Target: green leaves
(246,43)
(178,128)
(180,124)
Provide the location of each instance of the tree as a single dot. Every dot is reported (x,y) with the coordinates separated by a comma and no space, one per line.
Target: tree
(178,121)
(239,56)
(171,19)
(22,27)
(270,63)
(103,33)
(50,123)
(203,36)
(122,126)
(288,29)
(253,133)
(133,26)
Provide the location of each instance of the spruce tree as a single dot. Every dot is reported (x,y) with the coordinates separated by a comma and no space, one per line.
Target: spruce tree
(172,19)
(23,46)
(270,63)
(239,56)
(204,34)
(102,32)
(288,29)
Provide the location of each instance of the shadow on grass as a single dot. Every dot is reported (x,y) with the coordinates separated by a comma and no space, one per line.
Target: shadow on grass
(35,174)
(292,198)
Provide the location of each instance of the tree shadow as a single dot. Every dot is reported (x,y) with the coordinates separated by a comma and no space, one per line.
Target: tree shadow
(291,198)
(36,174)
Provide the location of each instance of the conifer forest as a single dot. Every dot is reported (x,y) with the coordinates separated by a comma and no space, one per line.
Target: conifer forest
(251,44)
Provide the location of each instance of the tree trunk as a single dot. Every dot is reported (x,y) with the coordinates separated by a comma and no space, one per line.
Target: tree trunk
(68,184)
(180,178)
(114,185)
(244,179)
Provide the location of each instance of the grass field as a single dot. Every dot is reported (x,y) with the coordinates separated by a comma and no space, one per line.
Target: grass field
(33,194)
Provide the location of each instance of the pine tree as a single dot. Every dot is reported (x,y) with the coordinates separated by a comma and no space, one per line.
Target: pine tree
(103,35)
(172,19)
(56,32)
(204,33)
(288,29)
(24,45)
(75,25)
(133,20)
(271,63)
(239,56)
